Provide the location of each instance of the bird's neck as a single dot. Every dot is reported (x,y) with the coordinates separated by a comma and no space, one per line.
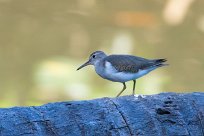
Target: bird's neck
(97,63)
(99,67)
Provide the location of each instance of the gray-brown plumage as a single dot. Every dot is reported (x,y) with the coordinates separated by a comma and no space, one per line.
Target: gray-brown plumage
(132,64)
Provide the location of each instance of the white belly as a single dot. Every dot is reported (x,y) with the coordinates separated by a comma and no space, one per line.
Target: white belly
(112,74)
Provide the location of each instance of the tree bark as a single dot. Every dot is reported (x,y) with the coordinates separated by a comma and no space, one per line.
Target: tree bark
(166,114)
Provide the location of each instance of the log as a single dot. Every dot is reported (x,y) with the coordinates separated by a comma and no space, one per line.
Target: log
(165,114)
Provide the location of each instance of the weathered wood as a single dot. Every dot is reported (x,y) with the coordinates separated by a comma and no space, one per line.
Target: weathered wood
(166,114)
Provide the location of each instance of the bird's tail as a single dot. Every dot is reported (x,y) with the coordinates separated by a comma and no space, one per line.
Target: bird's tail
(160,62)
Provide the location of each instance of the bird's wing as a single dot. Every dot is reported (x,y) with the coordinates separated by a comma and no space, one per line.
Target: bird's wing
(128,63)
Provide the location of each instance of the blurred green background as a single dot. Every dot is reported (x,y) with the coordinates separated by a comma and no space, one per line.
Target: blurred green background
(42,42)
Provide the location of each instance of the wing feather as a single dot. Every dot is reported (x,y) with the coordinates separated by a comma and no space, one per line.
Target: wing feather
(128,63)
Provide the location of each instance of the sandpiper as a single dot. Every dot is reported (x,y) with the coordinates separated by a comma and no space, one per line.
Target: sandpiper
(122,68)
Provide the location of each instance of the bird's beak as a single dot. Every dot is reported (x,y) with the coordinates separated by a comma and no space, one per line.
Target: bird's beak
(85,64)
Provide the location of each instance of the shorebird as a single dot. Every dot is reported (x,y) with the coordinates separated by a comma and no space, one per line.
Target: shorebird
(122,68)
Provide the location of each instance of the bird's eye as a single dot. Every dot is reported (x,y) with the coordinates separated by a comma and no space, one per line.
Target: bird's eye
(94,56)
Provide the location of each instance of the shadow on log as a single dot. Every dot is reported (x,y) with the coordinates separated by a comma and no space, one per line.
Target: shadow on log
(166,114)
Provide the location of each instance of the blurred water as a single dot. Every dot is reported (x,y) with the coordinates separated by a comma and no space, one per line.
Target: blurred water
(43,42)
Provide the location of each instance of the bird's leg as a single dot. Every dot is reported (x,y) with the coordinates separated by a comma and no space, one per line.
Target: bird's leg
(134,84)
(124,87)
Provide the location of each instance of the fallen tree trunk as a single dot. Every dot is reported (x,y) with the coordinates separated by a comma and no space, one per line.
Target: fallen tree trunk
(155,115)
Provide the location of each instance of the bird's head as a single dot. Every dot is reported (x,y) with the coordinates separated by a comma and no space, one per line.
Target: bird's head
(94,58)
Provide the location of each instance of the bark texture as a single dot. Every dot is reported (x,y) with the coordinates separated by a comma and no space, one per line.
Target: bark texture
(166,114)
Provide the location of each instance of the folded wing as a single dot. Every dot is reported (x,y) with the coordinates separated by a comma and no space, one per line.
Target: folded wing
(132,64)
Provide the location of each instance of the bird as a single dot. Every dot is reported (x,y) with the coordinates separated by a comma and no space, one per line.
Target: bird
(122,68)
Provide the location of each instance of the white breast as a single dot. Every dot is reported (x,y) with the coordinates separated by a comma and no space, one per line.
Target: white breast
(112,74)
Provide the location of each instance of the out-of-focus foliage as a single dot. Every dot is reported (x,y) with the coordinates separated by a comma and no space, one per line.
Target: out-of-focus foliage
(43,42)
